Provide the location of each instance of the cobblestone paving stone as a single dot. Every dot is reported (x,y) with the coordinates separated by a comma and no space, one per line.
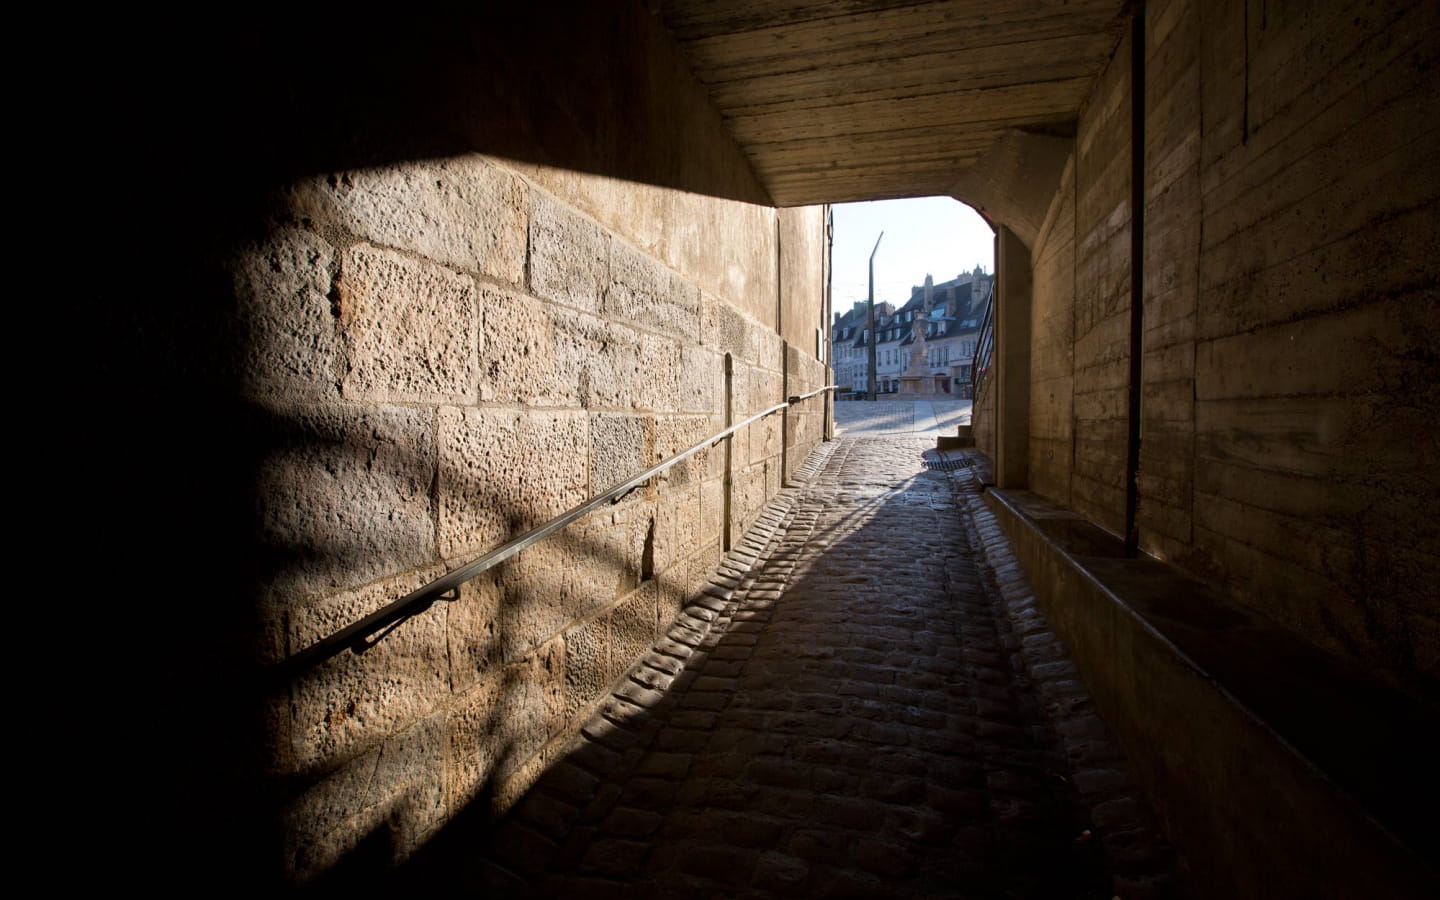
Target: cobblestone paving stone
(865,703)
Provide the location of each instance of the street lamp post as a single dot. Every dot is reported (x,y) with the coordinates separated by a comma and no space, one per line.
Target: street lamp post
(870,325)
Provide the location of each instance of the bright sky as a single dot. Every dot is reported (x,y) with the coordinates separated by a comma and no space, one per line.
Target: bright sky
(934,235)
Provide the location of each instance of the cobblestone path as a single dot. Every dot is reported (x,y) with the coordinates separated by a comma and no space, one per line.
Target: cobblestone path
(857,708)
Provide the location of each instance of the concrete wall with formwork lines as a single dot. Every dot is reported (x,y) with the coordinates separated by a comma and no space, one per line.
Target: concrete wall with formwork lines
(1287,378)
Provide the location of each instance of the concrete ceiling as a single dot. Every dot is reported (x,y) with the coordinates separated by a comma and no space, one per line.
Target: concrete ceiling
(873,99)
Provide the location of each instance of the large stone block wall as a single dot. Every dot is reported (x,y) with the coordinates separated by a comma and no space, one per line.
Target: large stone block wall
(1290,287)
(803,323)
(448,353)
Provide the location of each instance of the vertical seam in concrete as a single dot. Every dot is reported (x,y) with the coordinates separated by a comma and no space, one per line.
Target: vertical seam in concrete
(1245,93)
(1199,249)
(1137,277)
(1074,312)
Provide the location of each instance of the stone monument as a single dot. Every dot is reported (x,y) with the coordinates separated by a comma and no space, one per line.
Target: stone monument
(917,379)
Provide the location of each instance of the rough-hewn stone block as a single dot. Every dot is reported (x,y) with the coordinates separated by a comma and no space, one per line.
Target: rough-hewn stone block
(712,509)
(586,664)
(532,606)
(657,380)
(397,789)
(491,487)
(619,448)
(462,211)
(523,711)
(288,341)
(569,256)
(521,358)
(353,701)
(596,561)
(702,375)
(703,565)
(767,388)
(765,437)
(768,348)
(680,314)
(346,495)
(412,330)
(632,629)
(749,498)
(675,434)
(645,292)
(474,628)
(473,742)
(670,597)
(724,328)
(677,526)
(604,358)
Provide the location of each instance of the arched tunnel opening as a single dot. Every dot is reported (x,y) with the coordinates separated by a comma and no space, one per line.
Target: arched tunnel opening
(388,291)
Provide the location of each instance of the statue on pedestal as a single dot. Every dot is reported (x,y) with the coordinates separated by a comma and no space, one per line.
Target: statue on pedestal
(916,379)
(919,364)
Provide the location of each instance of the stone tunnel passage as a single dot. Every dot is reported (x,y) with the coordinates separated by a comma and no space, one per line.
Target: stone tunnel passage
(865,703)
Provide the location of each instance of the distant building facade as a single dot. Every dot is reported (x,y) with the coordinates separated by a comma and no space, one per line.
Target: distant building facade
(957,309)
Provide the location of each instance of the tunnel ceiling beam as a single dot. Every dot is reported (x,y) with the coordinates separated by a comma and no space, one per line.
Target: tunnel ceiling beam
(875,99)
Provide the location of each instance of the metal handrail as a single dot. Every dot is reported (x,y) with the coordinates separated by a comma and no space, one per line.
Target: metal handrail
(421,598)
(984,344)
(796,398)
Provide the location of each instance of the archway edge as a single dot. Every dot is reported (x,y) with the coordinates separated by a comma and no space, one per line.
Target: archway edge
(1015,180)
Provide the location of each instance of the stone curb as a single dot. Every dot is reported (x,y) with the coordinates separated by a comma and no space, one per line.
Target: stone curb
(1142,862)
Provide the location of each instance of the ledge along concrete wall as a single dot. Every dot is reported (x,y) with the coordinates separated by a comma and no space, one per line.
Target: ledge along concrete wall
(419,304)
(1288,380)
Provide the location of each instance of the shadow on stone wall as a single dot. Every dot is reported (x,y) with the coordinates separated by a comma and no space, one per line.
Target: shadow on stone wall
(170,454)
